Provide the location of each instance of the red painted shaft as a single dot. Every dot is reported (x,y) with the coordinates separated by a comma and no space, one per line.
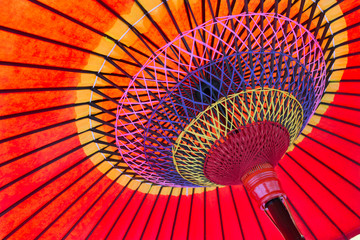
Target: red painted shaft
(264,186)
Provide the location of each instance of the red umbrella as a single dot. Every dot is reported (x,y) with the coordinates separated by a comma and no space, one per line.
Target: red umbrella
(65,68)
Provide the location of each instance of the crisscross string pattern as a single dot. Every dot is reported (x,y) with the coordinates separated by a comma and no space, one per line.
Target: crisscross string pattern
(241,150)
(188,74)
(226,115)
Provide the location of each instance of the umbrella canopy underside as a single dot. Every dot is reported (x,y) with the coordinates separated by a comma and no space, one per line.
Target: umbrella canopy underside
(64,66)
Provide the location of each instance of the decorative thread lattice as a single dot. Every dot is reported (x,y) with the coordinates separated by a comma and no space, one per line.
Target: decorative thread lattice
(229,114)
(188,74)
(233,155)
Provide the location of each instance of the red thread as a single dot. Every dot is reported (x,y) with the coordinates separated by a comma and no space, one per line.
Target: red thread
(234,155)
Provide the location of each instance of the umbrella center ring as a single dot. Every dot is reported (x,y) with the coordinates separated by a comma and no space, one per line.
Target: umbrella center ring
(201,66)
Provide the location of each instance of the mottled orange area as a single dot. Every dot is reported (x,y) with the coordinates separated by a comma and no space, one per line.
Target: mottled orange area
(43,22)
(32,51)
(122,7)
(36,225)
(30,101)
(45,197)
(24,155)
(21,188)
(31,122)
(28,144)
(35,78)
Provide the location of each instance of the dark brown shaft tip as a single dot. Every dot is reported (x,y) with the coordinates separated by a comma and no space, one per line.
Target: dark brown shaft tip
(282,218)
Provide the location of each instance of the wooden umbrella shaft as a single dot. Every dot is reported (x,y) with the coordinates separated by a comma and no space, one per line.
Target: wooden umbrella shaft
(283,220)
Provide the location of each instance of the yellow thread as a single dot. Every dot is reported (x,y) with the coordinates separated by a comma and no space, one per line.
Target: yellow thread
(275,105)
(105,46)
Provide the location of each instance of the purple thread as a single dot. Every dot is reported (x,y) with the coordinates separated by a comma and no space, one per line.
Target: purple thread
(188,82)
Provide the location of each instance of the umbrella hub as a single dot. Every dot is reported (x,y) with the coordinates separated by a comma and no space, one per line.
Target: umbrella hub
(235,134)
(235,155)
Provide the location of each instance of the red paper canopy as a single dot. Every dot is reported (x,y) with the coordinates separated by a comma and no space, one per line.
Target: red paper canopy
(63,66)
